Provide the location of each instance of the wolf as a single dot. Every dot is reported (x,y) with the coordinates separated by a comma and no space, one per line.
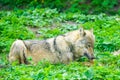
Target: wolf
(61,49)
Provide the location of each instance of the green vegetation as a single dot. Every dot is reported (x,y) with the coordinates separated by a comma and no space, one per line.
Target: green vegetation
(82,6)
(20,24)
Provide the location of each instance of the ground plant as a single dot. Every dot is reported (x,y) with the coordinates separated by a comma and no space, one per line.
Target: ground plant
(44,23)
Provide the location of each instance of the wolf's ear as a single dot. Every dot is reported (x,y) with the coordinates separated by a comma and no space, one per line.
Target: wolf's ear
(91,30)
(82,32)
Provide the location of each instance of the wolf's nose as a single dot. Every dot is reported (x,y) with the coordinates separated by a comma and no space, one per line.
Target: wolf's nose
(93,58)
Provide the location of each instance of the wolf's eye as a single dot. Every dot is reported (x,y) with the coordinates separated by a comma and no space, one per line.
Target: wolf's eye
(88,46)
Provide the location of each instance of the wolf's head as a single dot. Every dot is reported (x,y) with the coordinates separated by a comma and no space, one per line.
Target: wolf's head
(84,44)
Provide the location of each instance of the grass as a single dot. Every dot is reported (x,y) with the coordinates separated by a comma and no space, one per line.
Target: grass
(16,24)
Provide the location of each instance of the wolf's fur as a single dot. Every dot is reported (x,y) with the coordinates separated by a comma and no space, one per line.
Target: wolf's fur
(63,48)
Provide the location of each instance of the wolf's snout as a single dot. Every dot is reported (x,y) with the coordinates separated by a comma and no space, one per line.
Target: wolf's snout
(93,58)
(89,56)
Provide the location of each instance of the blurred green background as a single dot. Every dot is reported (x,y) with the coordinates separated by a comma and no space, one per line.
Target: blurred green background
(83,6)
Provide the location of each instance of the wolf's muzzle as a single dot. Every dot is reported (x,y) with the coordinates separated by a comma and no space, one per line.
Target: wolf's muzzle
(88,56)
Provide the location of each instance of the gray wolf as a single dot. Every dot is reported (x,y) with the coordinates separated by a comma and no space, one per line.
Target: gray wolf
(61,49)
